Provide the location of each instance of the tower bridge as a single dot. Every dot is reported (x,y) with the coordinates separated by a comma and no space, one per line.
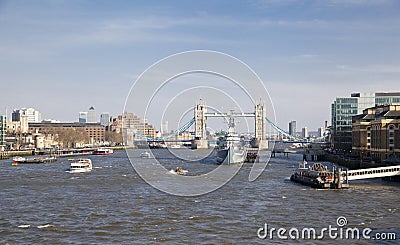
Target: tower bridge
(260,121)
(200,127)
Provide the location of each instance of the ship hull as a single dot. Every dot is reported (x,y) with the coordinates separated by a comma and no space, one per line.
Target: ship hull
(231,155)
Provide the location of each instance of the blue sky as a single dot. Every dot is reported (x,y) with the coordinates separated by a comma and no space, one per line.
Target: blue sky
(62,57)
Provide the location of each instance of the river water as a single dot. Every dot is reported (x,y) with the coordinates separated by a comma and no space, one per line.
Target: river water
(44,204)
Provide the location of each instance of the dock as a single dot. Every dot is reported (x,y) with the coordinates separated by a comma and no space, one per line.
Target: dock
(318,176)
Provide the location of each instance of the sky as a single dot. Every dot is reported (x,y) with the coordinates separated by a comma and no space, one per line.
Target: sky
(62,57)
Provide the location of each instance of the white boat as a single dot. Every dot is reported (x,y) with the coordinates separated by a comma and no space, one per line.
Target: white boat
(18,159)
(146,154)
(231,149)
(82,165)
(179,171)
(103,151)
(175,146)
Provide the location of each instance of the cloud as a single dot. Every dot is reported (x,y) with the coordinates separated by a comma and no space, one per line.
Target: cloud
(371,68)
(359,2)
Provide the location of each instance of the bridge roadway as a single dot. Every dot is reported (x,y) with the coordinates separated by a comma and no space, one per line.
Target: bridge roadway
(369,173)
(230,114)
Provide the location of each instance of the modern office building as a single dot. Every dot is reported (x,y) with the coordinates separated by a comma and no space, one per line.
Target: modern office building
(32,114)
(82,117)
(164,128)
(321,132)
(2,131)
(376,132)
(91,115)
(105,119)
(292,128)
(343,109)
(304,133)
(387,98)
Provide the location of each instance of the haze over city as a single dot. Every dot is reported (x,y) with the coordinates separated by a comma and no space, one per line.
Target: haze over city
(63,57)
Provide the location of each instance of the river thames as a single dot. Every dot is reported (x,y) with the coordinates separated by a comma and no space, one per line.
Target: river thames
(44,204)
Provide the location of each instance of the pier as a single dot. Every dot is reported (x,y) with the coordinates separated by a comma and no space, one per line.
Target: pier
(319,176)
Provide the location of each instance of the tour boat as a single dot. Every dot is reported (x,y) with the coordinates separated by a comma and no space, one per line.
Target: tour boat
(103,151)
(81,165)
(317,176)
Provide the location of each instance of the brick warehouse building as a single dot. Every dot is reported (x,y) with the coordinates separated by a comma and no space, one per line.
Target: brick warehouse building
(376,132)
(95,131)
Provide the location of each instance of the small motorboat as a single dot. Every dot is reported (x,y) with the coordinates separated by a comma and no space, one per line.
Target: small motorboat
(82,165)
(146,154)
(17,160)
(179,171)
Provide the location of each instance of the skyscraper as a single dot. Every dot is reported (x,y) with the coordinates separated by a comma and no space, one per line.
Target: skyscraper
(164,128)
(321,132)
(292,128)
(2,130)
(105,118)
(32,114)
(83,117)
(91,115)
(304,132)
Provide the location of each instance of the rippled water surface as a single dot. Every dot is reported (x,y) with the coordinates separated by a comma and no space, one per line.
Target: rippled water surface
(42,203)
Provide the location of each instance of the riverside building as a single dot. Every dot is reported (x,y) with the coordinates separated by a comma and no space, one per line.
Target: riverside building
(95,131)
(376,132)
(343,109)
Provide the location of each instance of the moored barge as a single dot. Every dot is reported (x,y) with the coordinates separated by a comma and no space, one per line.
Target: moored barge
(318,176)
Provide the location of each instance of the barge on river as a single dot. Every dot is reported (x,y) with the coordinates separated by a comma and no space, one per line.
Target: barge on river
(17,160)
(318,176)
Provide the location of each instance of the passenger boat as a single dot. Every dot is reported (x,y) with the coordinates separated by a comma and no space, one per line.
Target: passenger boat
(103,151)
(82,165)
(231,149)
(317,176)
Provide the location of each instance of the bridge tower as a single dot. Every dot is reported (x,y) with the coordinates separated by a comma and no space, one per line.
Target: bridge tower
(260,120)
(200,131)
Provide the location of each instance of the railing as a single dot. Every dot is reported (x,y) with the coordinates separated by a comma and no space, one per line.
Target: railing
(369,173)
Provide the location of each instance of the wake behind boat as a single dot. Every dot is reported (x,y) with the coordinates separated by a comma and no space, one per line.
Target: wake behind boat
(179,171)
(231,148)
(82,165)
